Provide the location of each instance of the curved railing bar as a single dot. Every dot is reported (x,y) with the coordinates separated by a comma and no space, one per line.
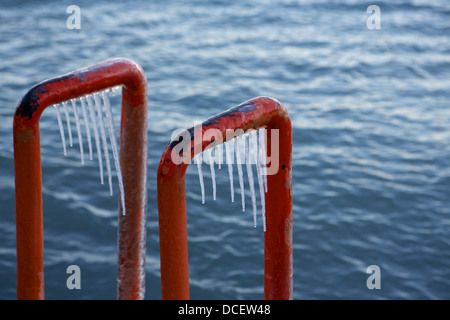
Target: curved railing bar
(133,150)
(253,114)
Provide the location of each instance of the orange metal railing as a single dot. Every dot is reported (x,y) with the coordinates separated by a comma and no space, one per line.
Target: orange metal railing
(133,150)
(253,114)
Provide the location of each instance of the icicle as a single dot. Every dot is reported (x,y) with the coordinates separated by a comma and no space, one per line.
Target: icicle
(96,135)
(115,89)
(213,173)
(229,160)
(260,181)
(103,136)
(253,147)
(86,124)
(61,128)
(240,171)
(220,152)
(69,128)
(77,122)
(250,177)
(112,138)
(198,161)
(263,154)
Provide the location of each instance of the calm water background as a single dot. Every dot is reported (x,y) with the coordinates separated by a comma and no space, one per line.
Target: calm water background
(371,149)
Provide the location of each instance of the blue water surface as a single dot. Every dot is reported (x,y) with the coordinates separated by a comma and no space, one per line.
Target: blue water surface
(371,140)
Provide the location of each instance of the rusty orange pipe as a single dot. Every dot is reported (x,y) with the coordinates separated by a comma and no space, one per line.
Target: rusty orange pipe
(133,150)
(278,275)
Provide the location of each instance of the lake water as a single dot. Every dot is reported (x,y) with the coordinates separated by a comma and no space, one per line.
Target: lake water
(371,140)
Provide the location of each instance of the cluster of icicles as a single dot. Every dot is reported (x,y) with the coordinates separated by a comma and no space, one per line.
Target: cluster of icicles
(97,118)
(250,148)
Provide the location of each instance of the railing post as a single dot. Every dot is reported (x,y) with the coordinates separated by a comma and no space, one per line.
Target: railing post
(253,114)
(133,163)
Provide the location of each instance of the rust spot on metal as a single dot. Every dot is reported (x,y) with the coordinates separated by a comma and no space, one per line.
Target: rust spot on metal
(30,101)
(164,170)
